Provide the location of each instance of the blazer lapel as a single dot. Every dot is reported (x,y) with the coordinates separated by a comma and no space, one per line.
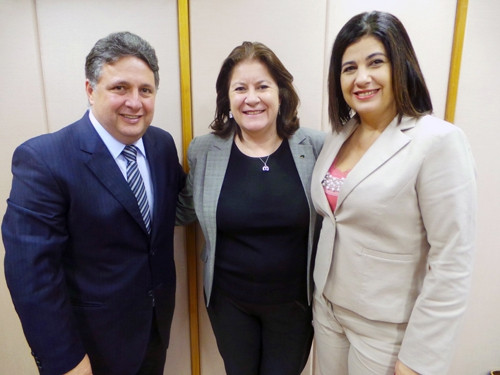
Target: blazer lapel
(155,170)
(325,160)
(303,156)
(107,172)
(385,147)
(216,166)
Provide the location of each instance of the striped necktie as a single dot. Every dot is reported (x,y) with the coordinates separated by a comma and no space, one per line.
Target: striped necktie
(136,183)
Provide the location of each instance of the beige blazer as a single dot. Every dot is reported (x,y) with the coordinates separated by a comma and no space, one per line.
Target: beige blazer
(399,245)
(208,156)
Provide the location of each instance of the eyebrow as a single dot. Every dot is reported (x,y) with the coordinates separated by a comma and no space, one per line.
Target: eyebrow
(367,58)
(265,80)
(118,82)
(123,82)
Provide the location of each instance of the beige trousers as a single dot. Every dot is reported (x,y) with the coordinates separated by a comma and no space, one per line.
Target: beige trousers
(348,344)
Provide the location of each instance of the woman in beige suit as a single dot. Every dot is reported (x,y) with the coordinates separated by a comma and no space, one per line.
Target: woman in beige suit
(396,188)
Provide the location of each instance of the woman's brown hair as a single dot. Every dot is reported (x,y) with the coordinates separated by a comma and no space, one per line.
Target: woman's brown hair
(287,122)
(410,91)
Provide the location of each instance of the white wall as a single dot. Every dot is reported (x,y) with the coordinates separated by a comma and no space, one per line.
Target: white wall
(477,114)
(22,115)
(302,33)
(294,30)
(44,44)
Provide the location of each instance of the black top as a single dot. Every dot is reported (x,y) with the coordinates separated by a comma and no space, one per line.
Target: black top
(262,229)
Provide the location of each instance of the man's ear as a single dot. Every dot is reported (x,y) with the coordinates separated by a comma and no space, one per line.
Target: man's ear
(90,92)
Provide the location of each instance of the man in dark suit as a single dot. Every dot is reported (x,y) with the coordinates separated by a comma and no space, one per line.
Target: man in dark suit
(89,265)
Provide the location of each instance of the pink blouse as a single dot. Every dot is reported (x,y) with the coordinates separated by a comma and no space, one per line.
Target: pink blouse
(332,182)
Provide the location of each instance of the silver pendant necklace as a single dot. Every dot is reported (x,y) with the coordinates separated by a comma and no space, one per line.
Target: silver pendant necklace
(265,167)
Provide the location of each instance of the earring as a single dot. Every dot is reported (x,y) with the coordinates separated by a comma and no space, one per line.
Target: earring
(230,114)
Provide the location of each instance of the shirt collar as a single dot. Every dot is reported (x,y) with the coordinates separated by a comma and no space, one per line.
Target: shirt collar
(114,146)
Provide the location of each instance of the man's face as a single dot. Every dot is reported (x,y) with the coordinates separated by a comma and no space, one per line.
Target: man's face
(123,100)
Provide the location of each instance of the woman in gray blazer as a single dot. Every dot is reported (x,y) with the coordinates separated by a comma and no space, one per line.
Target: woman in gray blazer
(250,180)
(397,191)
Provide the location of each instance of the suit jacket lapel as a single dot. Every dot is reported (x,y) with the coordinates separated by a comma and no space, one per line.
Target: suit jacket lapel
(325,160)
(106,171)
(303,156)
(385,147)
(155,171)
(216,166)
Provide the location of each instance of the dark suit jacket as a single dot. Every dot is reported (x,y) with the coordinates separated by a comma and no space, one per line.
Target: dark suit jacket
(82,270)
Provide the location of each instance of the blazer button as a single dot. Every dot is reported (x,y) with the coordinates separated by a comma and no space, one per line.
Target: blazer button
(37,360)
(152,252)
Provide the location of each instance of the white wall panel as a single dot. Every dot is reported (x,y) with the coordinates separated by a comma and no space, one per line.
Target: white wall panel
(293,29)
(22,116)
(64,31)
(22,113)
(477,111)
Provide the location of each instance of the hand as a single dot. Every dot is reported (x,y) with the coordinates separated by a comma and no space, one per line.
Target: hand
(402,369)
(83,368)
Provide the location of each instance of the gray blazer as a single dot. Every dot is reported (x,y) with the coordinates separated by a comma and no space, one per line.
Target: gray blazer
(208,157)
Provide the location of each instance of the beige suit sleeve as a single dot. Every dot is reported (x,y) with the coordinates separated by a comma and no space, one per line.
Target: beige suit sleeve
(446,189)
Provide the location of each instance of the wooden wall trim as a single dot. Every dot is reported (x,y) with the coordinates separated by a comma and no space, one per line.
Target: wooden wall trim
(456,59)
(187,136)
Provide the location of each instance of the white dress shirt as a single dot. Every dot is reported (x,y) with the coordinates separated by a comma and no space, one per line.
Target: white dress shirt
(115,148)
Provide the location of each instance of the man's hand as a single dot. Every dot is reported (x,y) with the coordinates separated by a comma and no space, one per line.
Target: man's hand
(402,369)
(83,368)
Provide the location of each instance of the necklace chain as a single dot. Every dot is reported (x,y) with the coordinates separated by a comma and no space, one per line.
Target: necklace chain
(265,167)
